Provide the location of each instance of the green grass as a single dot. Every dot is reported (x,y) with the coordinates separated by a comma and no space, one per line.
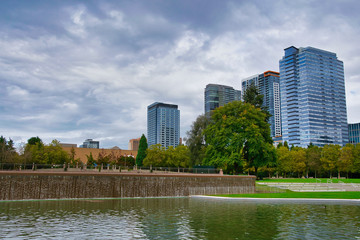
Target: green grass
(310,180)
(290,194)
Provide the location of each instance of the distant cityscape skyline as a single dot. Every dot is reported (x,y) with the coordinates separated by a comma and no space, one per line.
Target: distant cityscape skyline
(88,69)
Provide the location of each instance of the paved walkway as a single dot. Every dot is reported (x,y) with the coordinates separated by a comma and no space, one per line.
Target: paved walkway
(314,187)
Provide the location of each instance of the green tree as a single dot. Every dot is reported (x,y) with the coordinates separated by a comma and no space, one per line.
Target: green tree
(155,156)
(298,156)
(252,95)
(127,161)
(238,132)
(90,160)
(178,157)
(195,140)
(7,151)
(55,154)
(286,145)
(141,155)
(34,141)
(103,159)
(130,160)
(313,155)
(284,161)
(330,157)
(356,155)
(72,155)
(35,151)
(346,159)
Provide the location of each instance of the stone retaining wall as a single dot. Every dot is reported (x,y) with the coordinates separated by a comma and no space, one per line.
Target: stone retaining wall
(36,185)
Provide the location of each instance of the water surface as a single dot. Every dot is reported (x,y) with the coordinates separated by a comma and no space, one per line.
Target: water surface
(177,218)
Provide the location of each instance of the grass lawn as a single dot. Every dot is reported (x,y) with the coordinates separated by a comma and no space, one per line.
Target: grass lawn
(310,180)
(290,194)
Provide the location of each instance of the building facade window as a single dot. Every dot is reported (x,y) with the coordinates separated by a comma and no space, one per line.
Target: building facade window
(163,124)
(312,94)
(268,86)
(218,95)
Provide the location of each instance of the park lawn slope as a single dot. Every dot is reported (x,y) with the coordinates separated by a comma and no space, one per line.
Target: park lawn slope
(308,180)
(290,194)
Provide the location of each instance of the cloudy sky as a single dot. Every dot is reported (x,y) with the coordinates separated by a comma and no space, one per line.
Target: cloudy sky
(71,70)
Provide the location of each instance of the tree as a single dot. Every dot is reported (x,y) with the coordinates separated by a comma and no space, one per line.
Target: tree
(329,157)
(356,155)
(284,160)
(286,145)
(72,155)
(155,156)
(252,95)
(143,146)
(178,157)
(238,132)
(7,150)
(313,155)
(345,162)
(34,141)
(196,140)
(90,160)
(35,151)
(298,156)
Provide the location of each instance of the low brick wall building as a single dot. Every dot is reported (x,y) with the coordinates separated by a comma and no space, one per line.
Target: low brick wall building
(82,153)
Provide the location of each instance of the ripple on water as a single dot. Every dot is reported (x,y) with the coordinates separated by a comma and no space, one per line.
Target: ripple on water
(177,218)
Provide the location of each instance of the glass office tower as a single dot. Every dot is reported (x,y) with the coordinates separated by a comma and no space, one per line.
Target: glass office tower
(268,84)
(219,95)
(163,124)
(354,133)
(89,143)
(313,104)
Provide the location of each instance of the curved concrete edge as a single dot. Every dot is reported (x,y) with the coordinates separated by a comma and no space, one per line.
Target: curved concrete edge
(323,200)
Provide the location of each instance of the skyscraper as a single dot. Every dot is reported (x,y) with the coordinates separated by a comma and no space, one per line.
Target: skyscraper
(268,84)
(89,143)
(354,133)
(163,124)
(313,104)
(219,95)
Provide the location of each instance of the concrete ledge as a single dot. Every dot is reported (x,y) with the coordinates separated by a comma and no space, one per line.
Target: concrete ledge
(294,200)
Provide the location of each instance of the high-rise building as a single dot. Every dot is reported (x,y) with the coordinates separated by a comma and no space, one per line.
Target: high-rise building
(219,95)
(313,104)
(354,133)
(134,144)
(268,84)
(89,143)
(163,124)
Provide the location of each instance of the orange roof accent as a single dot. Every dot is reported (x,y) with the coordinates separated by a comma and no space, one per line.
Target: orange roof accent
(271,73)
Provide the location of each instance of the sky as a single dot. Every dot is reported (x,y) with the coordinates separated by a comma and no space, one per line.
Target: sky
(73,70)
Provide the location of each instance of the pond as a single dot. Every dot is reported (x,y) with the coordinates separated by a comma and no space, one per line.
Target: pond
(178,218)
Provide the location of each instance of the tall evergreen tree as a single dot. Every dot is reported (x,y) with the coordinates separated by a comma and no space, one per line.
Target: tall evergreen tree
(142,151)
(252,95)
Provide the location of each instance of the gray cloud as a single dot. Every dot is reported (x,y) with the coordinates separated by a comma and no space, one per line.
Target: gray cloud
(89,69)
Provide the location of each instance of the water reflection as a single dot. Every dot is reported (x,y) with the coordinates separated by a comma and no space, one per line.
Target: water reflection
(177,218)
